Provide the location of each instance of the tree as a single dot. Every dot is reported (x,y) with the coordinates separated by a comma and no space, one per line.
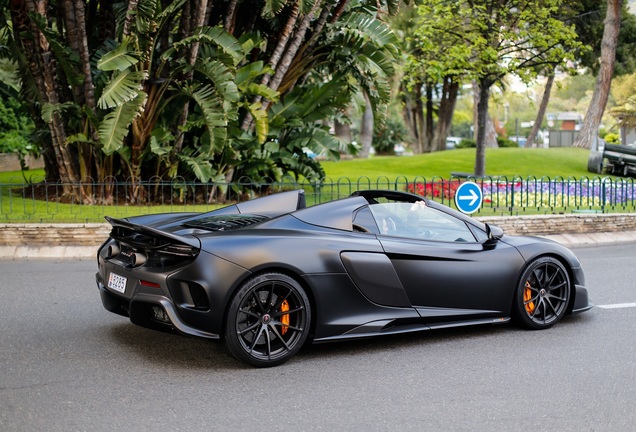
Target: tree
(487,40)
(108,78)
(589,128)
(588,18)
(542,108)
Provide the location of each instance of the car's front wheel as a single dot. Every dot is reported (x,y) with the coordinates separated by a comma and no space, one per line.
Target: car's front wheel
(268,320)
(543,293)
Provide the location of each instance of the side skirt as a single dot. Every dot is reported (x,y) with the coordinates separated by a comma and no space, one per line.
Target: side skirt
(387,327)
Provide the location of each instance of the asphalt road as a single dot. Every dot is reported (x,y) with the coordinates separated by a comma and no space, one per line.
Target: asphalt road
(66,364)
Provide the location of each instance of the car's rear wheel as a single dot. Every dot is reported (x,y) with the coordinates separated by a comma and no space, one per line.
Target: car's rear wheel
(268,320)
(543,293)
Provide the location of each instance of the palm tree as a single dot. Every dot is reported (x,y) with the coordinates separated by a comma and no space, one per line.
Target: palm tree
(108,78)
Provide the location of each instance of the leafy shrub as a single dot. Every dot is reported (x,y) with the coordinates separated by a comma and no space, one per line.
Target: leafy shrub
(501,142)
(15,128)
(394,132)
(612,138)
(505,142)
(466,143)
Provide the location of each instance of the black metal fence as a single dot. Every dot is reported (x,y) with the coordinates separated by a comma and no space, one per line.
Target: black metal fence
(90,202)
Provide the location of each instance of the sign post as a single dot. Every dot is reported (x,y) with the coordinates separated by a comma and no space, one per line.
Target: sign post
(468,197)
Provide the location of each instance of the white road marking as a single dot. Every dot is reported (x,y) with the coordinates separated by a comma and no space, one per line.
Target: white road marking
(617,306)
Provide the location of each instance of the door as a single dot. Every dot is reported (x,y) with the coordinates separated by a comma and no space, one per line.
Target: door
(444,270)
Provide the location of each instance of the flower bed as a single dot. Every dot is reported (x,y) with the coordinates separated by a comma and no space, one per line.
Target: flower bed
(537,193)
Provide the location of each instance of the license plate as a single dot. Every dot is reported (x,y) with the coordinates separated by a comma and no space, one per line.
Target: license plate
(116,282)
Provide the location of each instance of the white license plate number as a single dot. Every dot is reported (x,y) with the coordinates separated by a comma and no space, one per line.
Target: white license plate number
(116,282)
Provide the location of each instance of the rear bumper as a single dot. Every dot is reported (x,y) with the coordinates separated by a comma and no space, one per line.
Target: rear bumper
(156,312)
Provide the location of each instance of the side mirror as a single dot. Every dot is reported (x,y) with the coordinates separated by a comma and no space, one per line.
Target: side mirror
(494,233)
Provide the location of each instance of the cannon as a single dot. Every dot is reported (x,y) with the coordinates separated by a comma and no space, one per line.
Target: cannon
(616,159)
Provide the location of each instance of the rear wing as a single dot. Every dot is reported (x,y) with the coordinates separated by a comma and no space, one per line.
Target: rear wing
(149,237)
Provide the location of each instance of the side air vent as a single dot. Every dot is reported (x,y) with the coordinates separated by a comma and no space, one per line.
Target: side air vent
(225,222)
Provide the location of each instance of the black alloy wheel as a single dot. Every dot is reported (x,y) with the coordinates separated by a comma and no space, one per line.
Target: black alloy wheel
(268,320)
(543,294)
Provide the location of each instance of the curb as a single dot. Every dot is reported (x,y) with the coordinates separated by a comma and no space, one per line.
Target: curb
(46,252)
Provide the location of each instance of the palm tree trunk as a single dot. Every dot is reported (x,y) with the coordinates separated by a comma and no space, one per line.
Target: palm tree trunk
(293,48)
(42,68)
(75,21)
(105,20)
(196,20)
(592,120)
(279,63)
(130,16)
(320,24)
(342,4)
(283,38)
(84,53)
(230,16)
(72,38)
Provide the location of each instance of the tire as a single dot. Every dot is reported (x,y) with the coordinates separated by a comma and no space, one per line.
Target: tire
(543,294)
(268,320)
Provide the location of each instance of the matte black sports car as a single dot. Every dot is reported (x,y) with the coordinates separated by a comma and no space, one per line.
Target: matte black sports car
(269,274)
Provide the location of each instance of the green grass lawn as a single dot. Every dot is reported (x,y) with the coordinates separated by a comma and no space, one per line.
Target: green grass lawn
(16,177)
(509,162)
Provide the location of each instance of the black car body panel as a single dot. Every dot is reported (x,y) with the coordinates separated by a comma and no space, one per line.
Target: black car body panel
(378,262)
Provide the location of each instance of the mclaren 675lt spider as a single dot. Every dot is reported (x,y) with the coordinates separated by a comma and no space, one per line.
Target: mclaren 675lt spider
(271,274)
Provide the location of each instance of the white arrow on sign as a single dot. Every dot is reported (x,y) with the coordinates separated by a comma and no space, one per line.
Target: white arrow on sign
(472,197)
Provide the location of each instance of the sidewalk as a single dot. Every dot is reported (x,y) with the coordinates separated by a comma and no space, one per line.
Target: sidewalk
(594,239)
(90,252)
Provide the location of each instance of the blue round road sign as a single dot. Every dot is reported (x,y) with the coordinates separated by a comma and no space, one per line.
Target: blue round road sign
(468,197)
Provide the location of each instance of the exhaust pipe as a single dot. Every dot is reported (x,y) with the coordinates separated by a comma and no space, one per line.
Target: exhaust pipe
(137,259)
(113,251)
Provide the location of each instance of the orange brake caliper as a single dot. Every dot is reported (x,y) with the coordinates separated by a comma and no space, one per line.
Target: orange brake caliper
(284,307)
(527,295)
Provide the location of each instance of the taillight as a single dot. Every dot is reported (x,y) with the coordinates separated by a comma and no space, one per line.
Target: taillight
(149,284)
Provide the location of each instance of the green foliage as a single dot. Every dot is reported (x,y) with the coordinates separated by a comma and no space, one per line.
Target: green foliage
(386,138)
(612,138)
(11,117)
(170,100)
(486,41)
(295,127)
(466,143)
(365,49)
(505,142)
(120,58)
(15,128)
(115,125)
(489,41)
(625,114)
(588,18)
